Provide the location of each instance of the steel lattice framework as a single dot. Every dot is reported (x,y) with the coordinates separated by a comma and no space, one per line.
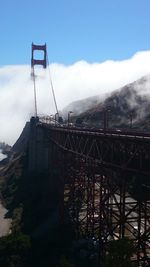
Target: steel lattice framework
(98,170)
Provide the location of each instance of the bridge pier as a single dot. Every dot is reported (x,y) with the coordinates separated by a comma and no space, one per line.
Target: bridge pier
(38,151)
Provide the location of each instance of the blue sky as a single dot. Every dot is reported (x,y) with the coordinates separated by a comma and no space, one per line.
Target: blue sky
(92,30)
(94,47)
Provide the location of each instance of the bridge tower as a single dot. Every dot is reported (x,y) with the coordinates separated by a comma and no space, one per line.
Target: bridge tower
(34,61)
(42,62)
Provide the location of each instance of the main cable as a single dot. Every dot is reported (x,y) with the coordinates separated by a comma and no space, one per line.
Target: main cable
(53,92)
(35,99)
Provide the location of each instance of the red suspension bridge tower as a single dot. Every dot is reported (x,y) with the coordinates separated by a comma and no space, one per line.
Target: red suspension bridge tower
(44,63)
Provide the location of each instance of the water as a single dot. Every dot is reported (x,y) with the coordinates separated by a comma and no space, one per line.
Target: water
(2,156)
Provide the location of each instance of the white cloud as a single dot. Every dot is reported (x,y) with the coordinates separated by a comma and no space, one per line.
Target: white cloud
(71,83)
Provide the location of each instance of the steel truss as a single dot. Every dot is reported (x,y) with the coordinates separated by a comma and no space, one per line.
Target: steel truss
(98,172)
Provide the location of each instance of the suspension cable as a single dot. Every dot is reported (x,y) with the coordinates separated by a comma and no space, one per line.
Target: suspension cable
(35,98)
(53,92)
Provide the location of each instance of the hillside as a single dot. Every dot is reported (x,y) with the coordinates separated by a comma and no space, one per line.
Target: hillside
(80,106)
(125,108)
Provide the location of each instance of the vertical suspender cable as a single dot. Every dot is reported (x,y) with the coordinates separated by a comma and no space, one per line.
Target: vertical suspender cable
(54,97)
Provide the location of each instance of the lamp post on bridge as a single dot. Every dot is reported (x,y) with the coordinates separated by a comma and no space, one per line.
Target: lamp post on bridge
(50,118)
(69,115)
(56,117)
(105,118)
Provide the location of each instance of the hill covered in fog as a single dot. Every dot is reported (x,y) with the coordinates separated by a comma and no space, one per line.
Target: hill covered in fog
(126,107)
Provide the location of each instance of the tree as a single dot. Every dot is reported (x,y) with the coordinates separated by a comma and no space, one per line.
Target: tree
(64,262)
(14,250)
(119,253)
